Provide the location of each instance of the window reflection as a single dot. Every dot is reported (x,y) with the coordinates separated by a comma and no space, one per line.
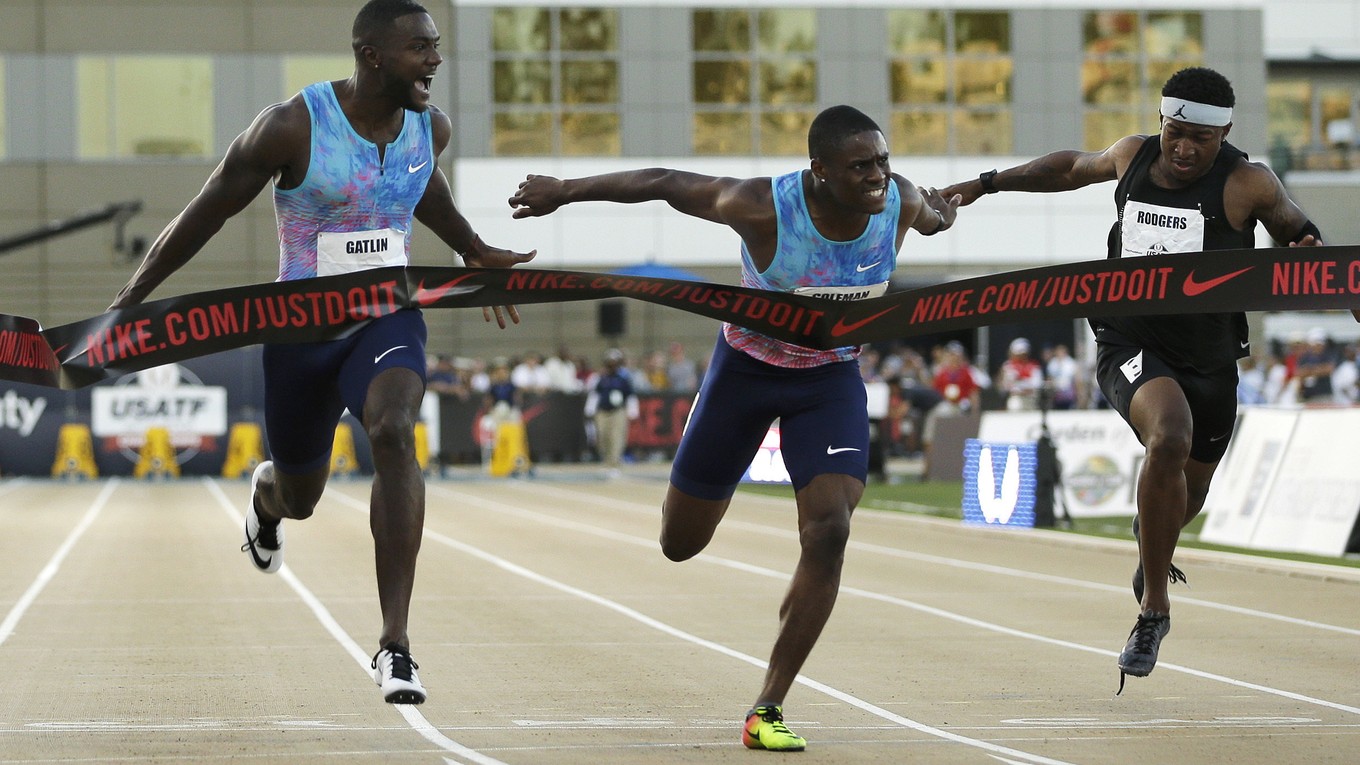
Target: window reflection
(123,103)
(1128,56)
(950,79)
(548,60)
(755,72)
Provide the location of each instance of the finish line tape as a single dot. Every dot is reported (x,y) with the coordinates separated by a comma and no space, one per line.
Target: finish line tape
(307,310)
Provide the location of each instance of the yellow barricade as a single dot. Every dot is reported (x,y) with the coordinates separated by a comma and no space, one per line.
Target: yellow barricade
(423,446)
(510,453)
(343,461)
(75,453)
(245,450)
(157,457)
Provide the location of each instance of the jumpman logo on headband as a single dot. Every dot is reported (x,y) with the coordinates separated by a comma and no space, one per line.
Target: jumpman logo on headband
(1180,113)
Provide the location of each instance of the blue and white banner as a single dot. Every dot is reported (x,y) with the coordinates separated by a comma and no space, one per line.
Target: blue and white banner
(999,483)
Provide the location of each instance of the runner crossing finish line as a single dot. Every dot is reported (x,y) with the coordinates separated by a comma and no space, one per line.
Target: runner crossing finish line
(325,308)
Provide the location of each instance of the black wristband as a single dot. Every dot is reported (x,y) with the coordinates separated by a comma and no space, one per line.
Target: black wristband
(1308,228)
(987,180)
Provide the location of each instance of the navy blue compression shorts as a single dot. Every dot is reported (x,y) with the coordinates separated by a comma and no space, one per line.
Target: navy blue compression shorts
(308,386)
(822,413)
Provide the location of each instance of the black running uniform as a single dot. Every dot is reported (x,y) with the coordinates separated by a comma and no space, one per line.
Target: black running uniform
(1199,351)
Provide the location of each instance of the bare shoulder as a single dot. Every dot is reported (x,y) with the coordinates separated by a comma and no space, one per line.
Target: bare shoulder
(1255,178)
(441,128)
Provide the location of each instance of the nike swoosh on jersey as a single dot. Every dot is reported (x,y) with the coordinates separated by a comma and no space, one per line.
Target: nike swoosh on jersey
(862,269)
(839,449)
(1192,288)
(379,357)
(416,168)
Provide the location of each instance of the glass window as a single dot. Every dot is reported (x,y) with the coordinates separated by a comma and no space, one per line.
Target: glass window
(754,72)
(1128,55)
(950,79)
(1289,113)
(555,81)
(301,71)
(140,106)
(4,139)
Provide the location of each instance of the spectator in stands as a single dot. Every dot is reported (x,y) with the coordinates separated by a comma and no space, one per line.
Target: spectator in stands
(611,402)
(561,371)
(1346,377)
(1020,378)
(530,376)
(503,397)
(682,374)
(1314,368)
(959,394)
(443,378)
(1064,376)
(1251,381)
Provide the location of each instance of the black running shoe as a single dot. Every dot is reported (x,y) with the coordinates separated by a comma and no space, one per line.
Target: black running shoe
(1175,574)
(1140,652)
(395,671)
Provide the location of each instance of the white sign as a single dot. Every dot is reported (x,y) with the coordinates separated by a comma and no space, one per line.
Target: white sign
(1244,477)
(1312,503)
(1100,456)
(167,397)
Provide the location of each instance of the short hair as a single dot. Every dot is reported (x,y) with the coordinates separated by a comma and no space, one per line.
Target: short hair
(830,129)
(1201,85)
(377,16)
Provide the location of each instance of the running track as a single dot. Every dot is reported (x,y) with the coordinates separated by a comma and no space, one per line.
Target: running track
(550,629)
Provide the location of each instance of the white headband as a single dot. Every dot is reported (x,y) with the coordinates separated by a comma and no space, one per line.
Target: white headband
(1195,112)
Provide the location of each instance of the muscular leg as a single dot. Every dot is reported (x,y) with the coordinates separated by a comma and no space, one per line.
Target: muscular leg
(1161,415)
(397,507)
(688,523)
(824,508)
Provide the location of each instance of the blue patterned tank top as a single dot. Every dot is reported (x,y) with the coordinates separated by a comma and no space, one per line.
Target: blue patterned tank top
(807,263)
(353,211)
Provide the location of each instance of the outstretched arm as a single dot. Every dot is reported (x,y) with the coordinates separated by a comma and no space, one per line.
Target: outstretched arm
(701,196)
(253,158)
(1064,170)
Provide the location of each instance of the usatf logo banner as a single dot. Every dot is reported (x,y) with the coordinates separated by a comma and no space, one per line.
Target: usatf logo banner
(999,483)
(324,308)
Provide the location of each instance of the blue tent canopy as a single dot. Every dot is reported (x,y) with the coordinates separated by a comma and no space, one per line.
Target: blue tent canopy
(657,271)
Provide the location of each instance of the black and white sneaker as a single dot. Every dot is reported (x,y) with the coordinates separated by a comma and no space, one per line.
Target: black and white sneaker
(1175,574)
(1140,652)
(395,671)
(264,541)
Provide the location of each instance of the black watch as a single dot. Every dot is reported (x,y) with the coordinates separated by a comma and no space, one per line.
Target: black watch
(987,180)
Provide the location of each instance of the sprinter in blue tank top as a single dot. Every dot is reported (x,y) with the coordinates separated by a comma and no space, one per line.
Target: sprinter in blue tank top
(352,162)
(831,230)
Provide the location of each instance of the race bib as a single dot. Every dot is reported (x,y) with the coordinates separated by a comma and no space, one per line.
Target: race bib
(859,292)
(1152,230)
(344,252)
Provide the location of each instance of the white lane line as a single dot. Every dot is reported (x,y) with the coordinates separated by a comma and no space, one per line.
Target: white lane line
(937,560)
(54,563)
(660,626)
(937,612)
(412,714)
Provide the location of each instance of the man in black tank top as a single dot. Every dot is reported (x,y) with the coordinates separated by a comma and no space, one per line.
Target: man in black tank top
(1172,378)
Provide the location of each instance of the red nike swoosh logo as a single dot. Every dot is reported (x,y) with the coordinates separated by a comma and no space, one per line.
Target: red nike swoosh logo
(842,328)
(425,297)
(1192,288)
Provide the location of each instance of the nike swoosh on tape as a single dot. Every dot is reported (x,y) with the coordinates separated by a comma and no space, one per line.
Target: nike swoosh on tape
(842,328)
(862,269)
(1192,288)
(416,168)
(379,357)
(838,450)
(424,297)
